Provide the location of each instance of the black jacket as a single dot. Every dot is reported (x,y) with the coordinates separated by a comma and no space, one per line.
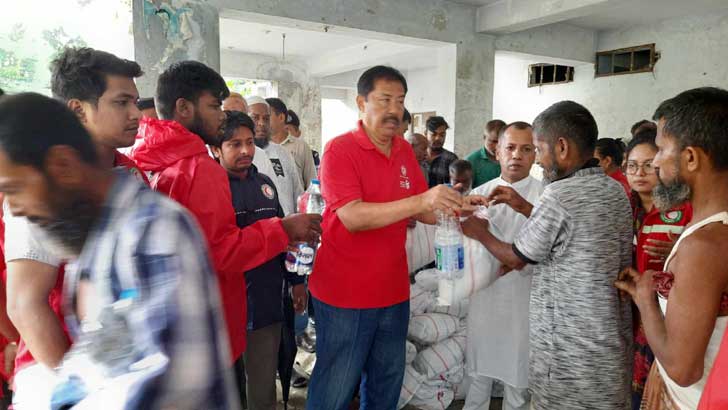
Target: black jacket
(254,198)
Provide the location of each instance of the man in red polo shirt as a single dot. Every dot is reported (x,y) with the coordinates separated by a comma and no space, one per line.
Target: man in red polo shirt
(372,185)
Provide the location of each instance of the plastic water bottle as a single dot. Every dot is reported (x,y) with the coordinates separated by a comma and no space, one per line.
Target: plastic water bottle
(304,257)
(449,251)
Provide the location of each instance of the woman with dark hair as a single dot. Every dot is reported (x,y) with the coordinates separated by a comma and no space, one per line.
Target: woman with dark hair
(610,153)
(655,235)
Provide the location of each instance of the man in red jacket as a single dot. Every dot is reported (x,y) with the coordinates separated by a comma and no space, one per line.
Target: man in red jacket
(188,100)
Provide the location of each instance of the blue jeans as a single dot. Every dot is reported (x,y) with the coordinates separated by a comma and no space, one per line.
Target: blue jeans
(358,344)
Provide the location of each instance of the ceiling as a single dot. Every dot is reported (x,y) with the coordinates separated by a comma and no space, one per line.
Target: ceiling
(266,39)
(474,2)
(320,47)
(631,13)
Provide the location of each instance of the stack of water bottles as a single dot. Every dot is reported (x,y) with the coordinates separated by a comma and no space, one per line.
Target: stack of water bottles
(310,202)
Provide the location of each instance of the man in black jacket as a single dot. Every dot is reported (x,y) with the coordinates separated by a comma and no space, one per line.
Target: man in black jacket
(255,198)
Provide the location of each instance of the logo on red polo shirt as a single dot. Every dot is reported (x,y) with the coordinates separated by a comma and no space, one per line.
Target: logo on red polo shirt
(404,181)
(671,217)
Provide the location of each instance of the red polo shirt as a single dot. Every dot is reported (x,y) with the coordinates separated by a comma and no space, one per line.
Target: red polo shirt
(619,176)
(656,225)
(364,269)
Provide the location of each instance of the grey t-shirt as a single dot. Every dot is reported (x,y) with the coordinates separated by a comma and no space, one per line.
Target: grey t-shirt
(580,237)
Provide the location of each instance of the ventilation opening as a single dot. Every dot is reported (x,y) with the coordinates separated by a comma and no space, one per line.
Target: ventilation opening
(543,74)
(640,59)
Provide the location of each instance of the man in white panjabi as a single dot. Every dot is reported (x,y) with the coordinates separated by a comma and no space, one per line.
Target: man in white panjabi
(498,339)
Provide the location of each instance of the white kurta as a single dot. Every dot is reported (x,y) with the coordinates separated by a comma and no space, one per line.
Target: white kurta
(498,322)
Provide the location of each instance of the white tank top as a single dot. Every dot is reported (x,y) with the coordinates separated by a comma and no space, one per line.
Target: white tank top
(687,398)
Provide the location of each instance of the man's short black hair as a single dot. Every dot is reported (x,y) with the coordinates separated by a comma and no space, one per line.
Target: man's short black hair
(233,121)
(26,140)
(407,117)
(278,106)
(80,73)
(519,125)
(459,166)
(365,85)
(699,118)
(145,103)
(646,136)
(188,80)
(569,120)
(611,147)
(435,122)
(292,119)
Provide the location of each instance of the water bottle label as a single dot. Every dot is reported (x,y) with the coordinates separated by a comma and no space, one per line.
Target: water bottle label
(449,258)
(305,255)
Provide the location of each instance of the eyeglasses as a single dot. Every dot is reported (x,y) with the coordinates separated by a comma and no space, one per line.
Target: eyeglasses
(633,168)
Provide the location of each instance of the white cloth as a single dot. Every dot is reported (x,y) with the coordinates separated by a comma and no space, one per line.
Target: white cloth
(24,240)
(687,398)
(480,392)
(34,386)
(285,176)
(420,246)
(498,335)
(262,163)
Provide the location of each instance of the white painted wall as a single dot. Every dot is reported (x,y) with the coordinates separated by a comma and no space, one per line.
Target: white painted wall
(339,113)
(694,54)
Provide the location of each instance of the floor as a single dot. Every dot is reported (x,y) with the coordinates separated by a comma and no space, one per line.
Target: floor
(297,398)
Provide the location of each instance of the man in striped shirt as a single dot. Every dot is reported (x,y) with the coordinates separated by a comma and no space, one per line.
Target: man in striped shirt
(147,331)
(578,237)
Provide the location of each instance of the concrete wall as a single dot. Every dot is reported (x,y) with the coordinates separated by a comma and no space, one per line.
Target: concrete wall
(561,41)
(296,87)
(694,54)
(167,32)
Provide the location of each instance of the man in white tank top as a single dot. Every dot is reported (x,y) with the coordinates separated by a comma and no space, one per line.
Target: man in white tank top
(686,321)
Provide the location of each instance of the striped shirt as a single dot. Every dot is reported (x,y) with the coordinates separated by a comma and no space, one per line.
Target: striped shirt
(579,236)
(148,246)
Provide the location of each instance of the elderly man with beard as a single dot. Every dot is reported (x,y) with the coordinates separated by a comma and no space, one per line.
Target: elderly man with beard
(151,318)
(685,330)
(285,173)
(578,236)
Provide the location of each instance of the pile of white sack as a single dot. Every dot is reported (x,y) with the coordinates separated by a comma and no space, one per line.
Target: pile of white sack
(435,372)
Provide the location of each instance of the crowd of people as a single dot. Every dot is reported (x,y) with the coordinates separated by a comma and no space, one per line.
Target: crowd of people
(157,278)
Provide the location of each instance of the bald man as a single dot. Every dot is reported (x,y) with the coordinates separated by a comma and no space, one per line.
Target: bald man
(235,102)
(419,145)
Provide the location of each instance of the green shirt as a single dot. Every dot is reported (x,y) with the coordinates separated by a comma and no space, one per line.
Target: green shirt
(484,168)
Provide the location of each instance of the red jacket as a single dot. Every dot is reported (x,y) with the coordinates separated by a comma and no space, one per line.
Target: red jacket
(183,170)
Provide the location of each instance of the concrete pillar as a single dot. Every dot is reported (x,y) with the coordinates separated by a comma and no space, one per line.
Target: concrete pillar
(475,66)
(304,97)
(166,32)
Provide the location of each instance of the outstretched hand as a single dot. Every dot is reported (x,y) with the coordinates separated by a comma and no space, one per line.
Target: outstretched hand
(640,287)
(475,227)
(507,195)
